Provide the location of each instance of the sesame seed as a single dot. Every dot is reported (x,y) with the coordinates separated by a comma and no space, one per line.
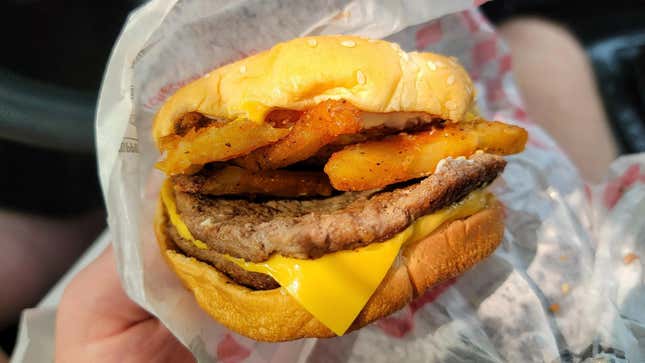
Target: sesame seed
(360,77)
(371,40)
(451,105)
(243,69)
(432,66)
(277,92)
(207,75)
(439,64)
(312,43)
(405,56)
(348,43)
(450,80)
(394,46)
(454,59)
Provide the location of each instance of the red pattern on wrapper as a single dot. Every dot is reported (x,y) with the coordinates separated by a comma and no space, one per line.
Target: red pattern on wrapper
(588,194)
(484,52)
(615,189)
(537,143)
(469,20)
(398,324)
(230,351)
(521,115)
(504,64)
(495,91)
(401,323)
(428,34)
(167,90)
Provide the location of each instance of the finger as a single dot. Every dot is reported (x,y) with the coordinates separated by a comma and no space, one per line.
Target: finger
(94,304)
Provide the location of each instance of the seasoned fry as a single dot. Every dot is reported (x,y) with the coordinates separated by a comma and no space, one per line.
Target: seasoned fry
(232,180)
(375,164)
(375,133)
(317,127)
(194,121)
(204,145)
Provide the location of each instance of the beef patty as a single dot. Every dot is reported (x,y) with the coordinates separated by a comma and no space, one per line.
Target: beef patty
(254,280)
(312,228)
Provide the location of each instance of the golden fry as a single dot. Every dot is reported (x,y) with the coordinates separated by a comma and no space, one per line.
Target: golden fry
(232,180)
(205,145)
(317,127)
(375,164)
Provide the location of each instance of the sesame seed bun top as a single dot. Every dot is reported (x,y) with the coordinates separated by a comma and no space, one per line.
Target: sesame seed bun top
(374,75)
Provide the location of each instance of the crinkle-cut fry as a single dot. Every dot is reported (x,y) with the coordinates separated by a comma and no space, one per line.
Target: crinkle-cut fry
(233,180)
(185,154)
(317,127)
(376,164)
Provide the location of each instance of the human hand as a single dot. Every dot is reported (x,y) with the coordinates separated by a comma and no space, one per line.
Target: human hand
(97,322)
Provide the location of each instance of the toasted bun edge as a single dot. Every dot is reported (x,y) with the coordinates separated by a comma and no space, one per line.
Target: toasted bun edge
(273,315)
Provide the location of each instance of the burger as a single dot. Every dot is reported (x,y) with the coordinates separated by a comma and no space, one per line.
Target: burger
(318,186)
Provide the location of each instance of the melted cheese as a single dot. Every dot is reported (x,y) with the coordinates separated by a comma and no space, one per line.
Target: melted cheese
(168,199)
(393,120)
(335,287)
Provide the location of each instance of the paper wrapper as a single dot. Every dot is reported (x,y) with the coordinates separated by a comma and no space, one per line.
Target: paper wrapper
(566,283)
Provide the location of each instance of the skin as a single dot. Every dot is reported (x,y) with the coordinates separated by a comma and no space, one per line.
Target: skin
(557,84)
(97,322)
(27,269)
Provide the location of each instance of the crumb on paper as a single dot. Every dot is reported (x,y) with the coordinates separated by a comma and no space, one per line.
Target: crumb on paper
(565,288)
(629,258)
(564,258)
(342,15)
(554,308)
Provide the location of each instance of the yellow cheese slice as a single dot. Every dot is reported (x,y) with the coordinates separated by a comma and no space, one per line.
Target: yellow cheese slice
(335,287)
(168,199)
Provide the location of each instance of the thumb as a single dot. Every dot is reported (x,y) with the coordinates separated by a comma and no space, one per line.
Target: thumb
(95,306)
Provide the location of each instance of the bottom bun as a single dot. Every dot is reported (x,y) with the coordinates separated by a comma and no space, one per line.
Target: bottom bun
(273,315)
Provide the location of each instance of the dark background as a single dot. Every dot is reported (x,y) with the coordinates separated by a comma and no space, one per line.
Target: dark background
(55,51)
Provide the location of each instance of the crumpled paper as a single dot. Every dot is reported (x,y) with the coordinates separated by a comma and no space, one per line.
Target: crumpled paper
(565,285)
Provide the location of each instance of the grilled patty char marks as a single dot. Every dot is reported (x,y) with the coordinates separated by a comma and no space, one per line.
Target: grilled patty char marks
(233,180)
(312,228)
